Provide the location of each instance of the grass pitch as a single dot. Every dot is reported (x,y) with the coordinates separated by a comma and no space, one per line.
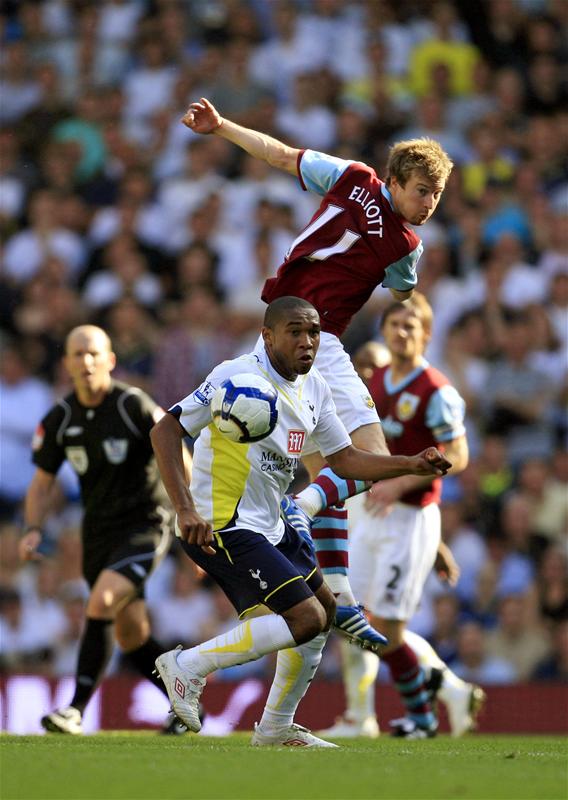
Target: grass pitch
(146,766)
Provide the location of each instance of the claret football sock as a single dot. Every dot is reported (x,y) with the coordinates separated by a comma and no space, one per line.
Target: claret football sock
(410,680)
(329,534)
(94,654)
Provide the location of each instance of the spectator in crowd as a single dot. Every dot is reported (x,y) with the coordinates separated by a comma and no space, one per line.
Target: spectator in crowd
(516,638)
(27,250)
(516,397)
(473,663)
(181,616)
(444,634)
(552,585)
(19,390)
(555,667)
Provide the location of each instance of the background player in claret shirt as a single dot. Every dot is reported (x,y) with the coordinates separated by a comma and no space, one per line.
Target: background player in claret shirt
(102,428)
(230,521)
(357,240)
(397,540)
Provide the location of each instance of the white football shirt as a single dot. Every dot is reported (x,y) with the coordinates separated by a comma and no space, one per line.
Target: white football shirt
(241,485)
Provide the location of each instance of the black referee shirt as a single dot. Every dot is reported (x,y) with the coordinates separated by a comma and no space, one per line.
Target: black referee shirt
(110,450)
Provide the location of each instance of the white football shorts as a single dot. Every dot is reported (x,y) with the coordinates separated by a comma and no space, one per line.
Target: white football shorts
(391,557)
(350,395)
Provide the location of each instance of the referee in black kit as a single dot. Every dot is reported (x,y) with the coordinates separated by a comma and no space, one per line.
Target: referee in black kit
(102,428)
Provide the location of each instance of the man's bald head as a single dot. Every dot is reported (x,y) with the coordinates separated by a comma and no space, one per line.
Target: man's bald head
(91,333)
(282,308)
(89,360)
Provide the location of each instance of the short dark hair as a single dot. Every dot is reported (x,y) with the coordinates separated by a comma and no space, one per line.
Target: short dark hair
(281,307)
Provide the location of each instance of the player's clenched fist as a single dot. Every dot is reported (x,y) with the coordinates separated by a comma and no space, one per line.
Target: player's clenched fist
(202,117)
(193,529)
(430,462)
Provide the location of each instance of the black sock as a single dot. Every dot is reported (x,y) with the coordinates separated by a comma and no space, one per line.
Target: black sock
(143,659)
(94,653)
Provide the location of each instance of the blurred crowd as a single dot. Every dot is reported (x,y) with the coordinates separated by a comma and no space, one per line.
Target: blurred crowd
(113,212)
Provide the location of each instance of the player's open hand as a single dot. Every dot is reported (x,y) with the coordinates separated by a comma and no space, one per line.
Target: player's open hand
(193,529)
(202,117)
(446,566)
(431,462)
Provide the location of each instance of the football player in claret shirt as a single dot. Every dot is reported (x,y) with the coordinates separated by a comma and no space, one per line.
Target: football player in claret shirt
(102,428)
(397,539)
(358,239)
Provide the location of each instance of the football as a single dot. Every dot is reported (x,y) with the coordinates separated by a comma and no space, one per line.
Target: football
(244,408)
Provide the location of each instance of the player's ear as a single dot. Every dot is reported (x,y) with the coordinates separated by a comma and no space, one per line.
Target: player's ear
(111,361)
(266,334)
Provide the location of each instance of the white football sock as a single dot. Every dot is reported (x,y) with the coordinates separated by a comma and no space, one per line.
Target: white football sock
(309,500)
(341,588)
(360,669)
(295,669)
(247,642)
(428,658)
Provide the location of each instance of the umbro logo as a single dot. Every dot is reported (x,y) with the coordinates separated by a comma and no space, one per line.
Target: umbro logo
(75,430)
(295,743)
(179,688)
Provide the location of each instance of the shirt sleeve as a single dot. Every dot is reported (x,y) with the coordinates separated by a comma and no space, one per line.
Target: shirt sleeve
(445,414)
(144,411)
(319,172)
(402,274)
(194,411)
(47,453)
(330,433)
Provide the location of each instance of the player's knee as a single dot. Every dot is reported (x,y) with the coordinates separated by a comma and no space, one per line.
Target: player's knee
(327,600)
(313,623)
(102,605)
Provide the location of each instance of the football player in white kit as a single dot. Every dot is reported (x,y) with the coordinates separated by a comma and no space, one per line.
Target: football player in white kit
(230,522)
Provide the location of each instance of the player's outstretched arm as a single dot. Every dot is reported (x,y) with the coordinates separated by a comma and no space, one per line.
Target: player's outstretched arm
(361,465)
(166,437)
(203,117)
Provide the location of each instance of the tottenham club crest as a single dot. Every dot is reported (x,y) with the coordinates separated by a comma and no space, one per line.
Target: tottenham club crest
(256,576)
(406,406)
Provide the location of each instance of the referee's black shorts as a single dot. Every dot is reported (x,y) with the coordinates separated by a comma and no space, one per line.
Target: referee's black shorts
(252,571)
(133,550)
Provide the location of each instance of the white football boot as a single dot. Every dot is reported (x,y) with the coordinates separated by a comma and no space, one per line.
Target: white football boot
(294,736)
(63,720)
(346,728)
(463,705)
(183,686)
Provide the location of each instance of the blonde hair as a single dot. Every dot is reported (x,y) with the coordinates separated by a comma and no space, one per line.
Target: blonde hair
(418,305)
(424,155)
